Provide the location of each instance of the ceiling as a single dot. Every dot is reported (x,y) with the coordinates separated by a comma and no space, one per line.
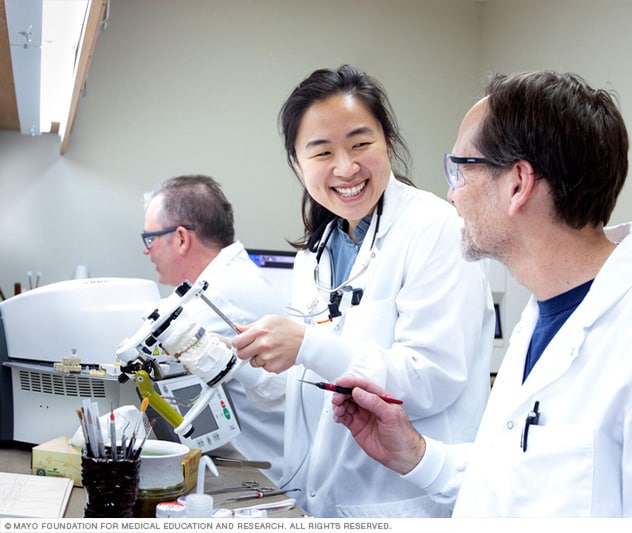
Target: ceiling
(9,116)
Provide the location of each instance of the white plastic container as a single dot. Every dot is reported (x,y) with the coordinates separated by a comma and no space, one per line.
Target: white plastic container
(199,506)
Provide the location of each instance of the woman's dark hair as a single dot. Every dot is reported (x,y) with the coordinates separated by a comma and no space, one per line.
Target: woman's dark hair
(573,136)
(318,86)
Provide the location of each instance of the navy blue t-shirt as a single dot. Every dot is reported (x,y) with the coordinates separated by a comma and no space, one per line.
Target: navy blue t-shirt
(553,313)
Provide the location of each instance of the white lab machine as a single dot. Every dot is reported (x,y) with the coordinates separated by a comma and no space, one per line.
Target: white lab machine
(216,425)
(82,318)
(115,321)
(510,299)
(177,328)
(172,326)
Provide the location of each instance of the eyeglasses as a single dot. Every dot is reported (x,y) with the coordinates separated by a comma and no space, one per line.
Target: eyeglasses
(451,164)
(149,236)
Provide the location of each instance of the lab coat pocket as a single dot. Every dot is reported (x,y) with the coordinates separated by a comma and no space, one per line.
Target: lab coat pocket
(419,507)
(558,467)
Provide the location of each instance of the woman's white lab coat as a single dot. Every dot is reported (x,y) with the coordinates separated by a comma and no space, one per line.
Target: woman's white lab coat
(578,460)
(423,330)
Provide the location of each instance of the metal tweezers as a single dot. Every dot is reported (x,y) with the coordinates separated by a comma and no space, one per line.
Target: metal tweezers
(246,485)
(229,461)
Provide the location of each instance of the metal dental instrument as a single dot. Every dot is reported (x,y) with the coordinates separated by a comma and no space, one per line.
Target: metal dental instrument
(219,313)
(229,461)
(260,494)
(346,390)
(246,485)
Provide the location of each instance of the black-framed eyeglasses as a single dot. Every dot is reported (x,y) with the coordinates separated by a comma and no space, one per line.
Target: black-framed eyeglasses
(149,236)
(451,164)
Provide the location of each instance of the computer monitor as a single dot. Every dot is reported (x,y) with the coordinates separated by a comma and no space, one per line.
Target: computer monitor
(276,266)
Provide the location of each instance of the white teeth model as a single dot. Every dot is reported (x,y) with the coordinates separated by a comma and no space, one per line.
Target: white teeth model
(199,351)
(348,193)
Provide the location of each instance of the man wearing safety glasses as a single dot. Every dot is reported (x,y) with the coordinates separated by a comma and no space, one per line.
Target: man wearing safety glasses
(189,235)
(535,173)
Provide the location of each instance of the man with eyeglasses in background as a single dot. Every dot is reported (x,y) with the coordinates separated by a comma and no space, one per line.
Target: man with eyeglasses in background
(537,167)
(189,235)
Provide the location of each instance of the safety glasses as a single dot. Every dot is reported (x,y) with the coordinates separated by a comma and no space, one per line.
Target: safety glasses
(149,236)
(451,164)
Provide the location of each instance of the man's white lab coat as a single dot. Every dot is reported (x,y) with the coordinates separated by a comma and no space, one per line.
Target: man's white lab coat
(578,460)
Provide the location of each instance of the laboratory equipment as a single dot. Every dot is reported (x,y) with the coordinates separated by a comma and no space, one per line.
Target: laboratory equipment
(510,298)
(170,328)
(85,318)
(216,425)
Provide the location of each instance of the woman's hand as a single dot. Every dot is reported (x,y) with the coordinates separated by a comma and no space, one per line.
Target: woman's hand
(271,343)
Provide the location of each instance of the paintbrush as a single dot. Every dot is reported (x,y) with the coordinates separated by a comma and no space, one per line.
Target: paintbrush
(132,440)
(84,430)
(140,448)
(113,451)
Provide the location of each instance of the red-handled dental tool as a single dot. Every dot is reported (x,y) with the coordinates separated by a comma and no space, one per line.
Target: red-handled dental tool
(345,390)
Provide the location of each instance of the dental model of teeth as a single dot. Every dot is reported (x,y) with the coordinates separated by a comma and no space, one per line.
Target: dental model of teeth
(202,353)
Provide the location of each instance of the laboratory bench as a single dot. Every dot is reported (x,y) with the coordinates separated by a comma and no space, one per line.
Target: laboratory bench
(16,458)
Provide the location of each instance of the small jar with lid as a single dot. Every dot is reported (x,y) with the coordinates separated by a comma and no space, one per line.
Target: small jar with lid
(170,510)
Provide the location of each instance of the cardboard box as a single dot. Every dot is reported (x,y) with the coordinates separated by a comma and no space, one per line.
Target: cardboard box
(57,458)
(190,464)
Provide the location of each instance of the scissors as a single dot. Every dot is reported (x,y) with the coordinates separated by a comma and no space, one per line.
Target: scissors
(246,485)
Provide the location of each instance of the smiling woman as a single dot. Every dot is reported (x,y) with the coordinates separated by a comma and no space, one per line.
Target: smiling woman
(379,289)
(342,158)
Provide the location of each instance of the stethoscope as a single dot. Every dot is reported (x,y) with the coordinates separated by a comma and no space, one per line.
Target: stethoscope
(335,297)
(336,293)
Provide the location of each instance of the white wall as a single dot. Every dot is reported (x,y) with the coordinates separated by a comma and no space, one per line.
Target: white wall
(195,86)
(589,37)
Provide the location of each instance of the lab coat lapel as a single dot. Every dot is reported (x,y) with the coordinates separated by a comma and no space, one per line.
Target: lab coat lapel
(607,288)
(364,256)
(392,204)
(369,250)
(394,199)
(556,359)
